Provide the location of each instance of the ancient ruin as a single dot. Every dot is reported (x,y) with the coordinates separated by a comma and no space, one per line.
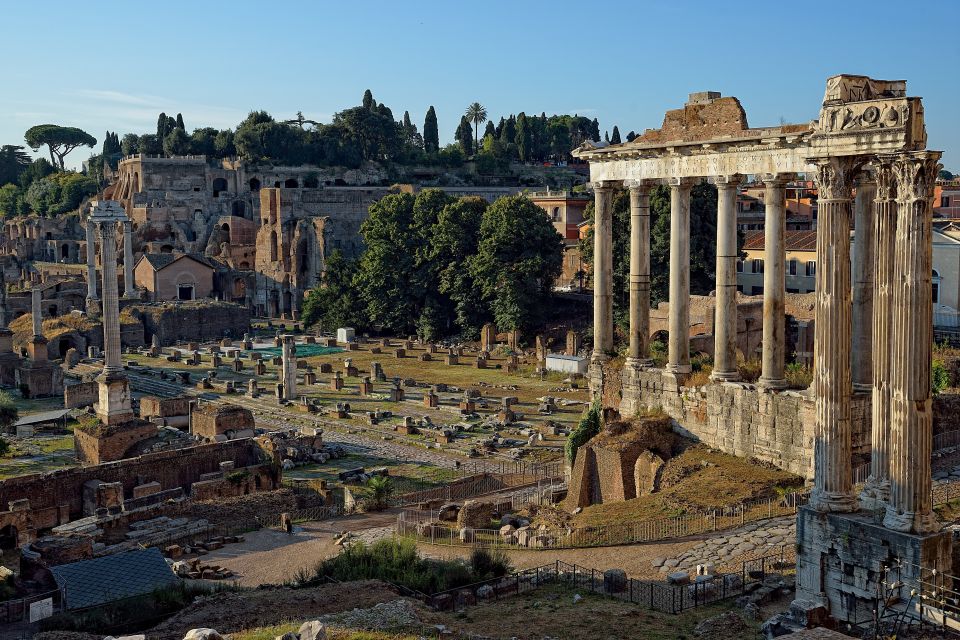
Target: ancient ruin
(869,132)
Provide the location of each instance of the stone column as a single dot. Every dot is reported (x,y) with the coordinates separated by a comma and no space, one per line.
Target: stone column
(37,313)
(911,438)
(863,275)
(725,319)
(289,367)
(91,263)
(602,271)
(832,387)
(129,290)
(876,490)
(640,273)
(774,282)
(111,304)
(678,356)
(3,300)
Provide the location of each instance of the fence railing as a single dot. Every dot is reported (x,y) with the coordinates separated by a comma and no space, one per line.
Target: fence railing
(424,526)
(471,487)
(19,610)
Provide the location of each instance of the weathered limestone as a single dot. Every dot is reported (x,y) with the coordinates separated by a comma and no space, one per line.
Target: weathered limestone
(129,290)
(863,278)
(832,386)
(114,398)
(36,312)
(91,265)
(639,274)
(678,351)
(876,490)
(911,434)
(603,272)
(288,367)
(774,279)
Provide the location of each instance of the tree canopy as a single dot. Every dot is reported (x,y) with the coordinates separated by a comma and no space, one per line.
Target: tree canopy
(59,140)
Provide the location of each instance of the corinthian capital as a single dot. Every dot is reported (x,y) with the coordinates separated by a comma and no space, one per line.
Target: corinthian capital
(916,174)
(834,176)
(883,173)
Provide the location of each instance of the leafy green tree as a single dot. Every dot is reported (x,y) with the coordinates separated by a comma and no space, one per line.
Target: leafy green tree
(464,136)
(591,422)
(130,144)
(490,131)
(381,488)
(615,137)
(8,412)
(180,124)
(149,144)
(334,303)
(523,140)
(509,132)
(477,114)
(453,240)
(59,140)
(60,192)
(451,156)
(11,201)
(519,256)
(177,142)
(368,102)
(13,161)
(431,133)
(375,134)
(39,168)
(203,142)
(223,144)
(595,130)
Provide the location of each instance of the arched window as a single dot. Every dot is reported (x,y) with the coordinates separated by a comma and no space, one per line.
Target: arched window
(254,184)
(219,184)
(935,282)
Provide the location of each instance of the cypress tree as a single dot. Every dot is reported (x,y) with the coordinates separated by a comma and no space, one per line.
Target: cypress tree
(368,101)
(431,135)
(523,138)
(161,126)
(490,130)
(595,130)
(615,138)
(500,128)
(180,124)
(406,121)
(464,135)
(606,136)
(631,136)
(510,129)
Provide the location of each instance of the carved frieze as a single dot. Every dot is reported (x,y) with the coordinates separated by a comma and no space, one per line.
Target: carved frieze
(850,88)
(876,114)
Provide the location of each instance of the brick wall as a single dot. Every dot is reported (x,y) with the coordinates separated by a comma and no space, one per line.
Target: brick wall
(94,448)
(83,394)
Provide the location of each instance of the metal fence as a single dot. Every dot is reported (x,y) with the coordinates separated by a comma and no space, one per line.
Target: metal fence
(653,595)
(471,487)
(424,526)
(18,610)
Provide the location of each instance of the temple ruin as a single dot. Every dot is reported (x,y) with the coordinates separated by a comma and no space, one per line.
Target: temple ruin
(872,337)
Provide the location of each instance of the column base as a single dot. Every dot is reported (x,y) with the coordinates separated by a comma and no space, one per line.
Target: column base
(725,376)
(599,357)
(94,307)
(679,369)
(772,384)
(910,521)
(638,363)
(875,494)
(832,502)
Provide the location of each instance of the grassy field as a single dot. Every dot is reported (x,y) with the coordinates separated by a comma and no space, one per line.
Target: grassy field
(406,476)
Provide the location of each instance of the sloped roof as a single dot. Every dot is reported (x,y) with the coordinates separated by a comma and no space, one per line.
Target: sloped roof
(90,583)
(795,241)
(163,260)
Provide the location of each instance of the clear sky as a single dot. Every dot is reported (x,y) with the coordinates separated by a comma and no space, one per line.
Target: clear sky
(116,65)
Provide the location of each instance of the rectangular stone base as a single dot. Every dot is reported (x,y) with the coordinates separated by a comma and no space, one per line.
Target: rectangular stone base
(40,379)
(841,558)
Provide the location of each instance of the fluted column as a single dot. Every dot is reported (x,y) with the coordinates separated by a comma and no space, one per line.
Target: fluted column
(774,282)
(863,276)
(91,263)
(725,320)
(640,273)
(129,290)
(111,305)
(832,387)
(911,438)
(289,367)
(602,271)
(876,490)
(36,312)
(678,352)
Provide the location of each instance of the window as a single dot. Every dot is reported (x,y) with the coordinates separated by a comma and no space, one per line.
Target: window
(556,214)
(185,292)
(935,281)
(811,268)
(739,266)
(944,201)
(757,266)
(756,290)
(792,267)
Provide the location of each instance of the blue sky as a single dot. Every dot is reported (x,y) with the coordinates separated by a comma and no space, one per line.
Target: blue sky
(112,65)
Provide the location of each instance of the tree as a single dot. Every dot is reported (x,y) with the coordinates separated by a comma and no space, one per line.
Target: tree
(943,174)
(631,136)
(150,145)
(477,114)
(615,138)
(431,133)
(13,161)
(223,144)
(180,124)
(59,140)
(453,240)
(130,144)
(519,256)
(523,138)
(490,131)
(8,412)
(595,130)
(334,303)
(464,136)
(177,142)
(368,102)
(203,142)
(381,488)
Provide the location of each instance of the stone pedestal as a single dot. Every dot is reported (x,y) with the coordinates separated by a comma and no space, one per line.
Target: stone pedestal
(113,406)
(842,557)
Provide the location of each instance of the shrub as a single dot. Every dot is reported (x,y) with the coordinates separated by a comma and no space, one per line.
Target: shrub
(799,376)
(939,377)
(8,412)
(589,426)
(489,564)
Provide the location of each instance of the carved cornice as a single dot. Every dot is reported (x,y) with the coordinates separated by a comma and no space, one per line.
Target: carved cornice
(834,176)
(916,175)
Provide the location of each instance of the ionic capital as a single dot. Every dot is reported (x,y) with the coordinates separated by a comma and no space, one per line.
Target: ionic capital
(916,175)
(834,176)
(727,182)
(777,179)
(605,185)
(682,182)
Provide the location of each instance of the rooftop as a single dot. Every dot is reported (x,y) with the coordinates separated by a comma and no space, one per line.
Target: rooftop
(89,583)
